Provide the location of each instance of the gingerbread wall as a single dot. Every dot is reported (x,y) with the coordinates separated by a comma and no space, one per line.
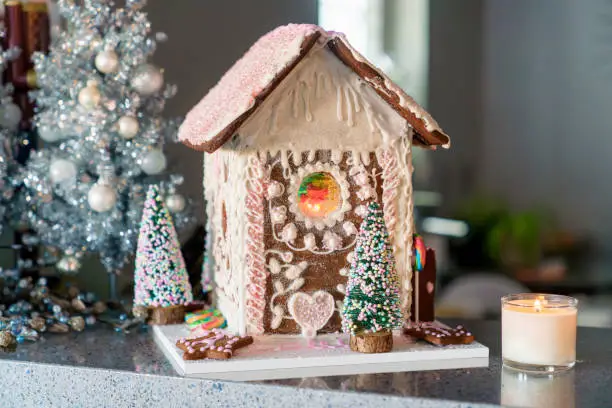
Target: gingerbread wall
(296,264)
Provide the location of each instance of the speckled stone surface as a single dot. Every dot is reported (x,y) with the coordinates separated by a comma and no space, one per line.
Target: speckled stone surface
(103,369)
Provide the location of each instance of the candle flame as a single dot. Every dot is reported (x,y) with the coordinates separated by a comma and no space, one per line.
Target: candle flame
(537,305)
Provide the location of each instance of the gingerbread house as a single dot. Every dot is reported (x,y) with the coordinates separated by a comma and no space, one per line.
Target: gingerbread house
(301,133)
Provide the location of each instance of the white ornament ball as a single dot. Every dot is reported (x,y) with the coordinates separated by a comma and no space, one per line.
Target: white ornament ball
(107,61)
(49,134)
(62,170)
(154,162)
(127,126)
(175,203)
(147,80)
(89,97)
(101,197)
(10,115)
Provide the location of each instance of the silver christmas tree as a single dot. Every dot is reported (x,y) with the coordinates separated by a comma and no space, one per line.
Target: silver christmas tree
(99,106)
(10,116)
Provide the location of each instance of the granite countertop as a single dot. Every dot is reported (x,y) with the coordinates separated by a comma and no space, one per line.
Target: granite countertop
(100,368)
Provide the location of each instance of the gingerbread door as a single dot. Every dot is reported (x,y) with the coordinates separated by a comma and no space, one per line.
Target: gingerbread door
(314,206)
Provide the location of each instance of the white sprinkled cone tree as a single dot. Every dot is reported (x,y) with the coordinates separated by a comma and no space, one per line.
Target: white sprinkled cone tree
(372,306)
(161,280)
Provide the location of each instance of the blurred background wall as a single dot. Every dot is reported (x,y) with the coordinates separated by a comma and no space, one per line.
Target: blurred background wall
(547,81)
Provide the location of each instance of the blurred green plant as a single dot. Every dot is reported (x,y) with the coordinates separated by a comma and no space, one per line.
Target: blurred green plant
(511,239)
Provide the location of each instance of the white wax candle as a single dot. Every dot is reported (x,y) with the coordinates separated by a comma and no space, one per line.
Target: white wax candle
(534,332)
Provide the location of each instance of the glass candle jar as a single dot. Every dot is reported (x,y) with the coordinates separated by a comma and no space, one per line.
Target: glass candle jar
(539,332)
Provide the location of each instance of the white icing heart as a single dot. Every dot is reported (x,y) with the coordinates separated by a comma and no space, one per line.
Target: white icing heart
(311,312)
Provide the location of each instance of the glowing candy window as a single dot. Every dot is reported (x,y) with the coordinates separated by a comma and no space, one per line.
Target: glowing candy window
(319,195)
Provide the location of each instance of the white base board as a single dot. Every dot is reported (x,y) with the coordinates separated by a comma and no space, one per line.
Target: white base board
(285,356)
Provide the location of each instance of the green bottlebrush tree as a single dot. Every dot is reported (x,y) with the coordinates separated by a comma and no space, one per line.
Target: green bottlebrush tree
(372,294)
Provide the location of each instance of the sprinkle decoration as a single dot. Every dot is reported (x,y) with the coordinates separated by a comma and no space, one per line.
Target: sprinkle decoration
(372,293)
(319,195)
(161,279)
(420,253)
(205,319)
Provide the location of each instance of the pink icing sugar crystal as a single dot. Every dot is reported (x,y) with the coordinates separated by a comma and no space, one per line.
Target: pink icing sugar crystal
(236,91)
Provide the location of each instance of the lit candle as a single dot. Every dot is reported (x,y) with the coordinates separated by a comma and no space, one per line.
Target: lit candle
(539,332)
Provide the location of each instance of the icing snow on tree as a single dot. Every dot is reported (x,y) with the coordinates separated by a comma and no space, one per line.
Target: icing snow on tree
(161,280)
(99,107)
(372,306)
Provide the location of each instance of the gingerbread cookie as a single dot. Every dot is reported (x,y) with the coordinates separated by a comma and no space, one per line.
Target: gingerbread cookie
(440,336)
(215,344)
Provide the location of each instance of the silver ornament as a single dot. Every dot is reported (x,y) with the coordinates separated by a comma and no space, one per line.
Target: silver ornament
(147,79)
(62,170)
(153,162)
(49,134)
(175,203)
(10,115)
(101,197)
(107,61)
(127,127)
(89,97)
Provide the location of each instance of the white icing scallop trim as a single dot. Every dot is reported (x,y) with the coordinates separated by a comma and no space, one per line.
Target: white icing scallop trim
(331,219)
(255,302)
(396,163)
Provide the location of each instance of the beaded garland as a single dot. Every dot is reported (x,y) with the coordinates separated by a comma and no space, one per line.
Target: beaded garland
(372,299)
(161,279)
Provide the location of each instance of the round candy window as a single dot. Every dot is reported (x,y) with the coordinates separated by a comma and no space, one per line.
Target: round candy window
(319,195)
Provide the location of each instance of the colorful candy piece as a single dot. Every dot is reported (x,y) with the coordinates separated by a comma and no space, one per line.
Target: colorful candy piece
(319,195)
(420,253)
(205,319)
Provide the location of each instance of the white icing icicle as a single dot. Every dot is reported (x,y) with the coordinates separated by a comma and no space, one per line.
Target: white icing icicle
(349,107)
(320,84)
(306,96)
(365,158)
(339,103)
(284,157)
(296,99)
(336,156)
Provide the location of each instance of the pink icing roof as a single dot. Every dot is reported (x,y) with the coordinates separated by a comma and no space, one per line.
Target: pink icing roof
(212,121)
(236,91)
